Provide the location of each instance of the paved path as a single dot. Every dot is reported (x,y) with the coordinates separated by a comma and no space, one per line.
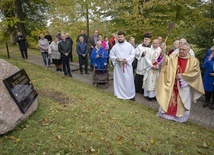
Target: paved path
(199,115)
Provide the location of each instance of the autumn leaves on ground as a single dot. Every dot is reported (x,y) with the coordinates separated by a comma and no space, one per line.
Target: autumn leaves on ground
(73,118)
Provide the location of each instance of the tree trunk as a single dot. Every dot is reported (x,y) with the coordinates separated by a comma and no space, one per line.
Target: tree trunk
(20,15)
(87,19)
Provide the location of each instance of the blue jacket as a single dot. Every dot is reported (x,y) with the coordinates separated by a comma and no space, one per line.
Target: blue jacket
(99,58)
(82,48)
(208,52)
(207,79)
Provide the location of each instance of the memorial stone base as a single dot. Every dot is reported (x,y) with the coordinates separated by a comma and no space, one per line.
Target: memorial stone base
(10,114)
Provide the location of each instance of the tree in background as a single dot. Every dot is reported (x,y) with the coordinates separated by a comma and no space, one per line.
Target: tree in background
(25,16)
(135,17)
(203,35)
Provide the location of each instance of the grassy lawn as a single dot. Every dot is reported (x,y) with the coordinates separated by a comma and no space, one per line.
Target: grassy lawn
(74,118)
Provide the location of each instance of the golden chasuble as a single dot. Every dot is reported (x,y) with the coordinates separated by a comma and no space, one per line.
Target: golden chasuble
(166,80)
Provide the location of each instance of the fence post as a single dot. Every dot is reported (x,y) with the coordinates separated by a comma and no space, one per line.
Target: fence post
(8,53)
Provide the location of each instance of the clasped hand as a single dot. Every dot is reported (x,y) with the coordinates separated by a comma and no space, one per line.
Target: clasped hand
(178,76)
(99,56)
(124,61)
(211,74)
(155,67)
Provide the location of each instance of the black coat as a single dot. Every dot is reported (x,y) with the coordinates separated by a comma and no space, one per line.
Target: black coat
(21,40)
(68,39)
(64,47)
(49,38)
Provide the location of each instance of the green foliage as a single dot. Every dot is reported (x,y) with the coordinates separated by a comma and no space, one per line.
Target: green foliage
(193,18)
(204,30)
(34,18)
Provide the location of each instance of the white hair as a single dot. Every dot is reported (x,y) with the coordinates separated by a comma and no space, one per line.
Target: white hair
(99,42)
(185,44)
(176,42)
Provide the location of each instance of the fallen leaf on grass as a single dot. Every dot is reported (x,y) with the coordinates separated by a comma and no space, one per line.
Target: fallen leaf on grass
(119,138)
(204,144)
(91,133)
(13,138)
(74,145)
(18,139)
(143,150)
(92,149)
(102,139)
(58,137)
(152,141)
(44,122)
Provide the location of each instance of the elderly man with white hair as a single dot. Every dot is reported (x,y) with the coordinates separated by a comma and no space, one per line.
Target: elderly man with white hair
(178,85)
(181,41)
(151,70)
(99,56)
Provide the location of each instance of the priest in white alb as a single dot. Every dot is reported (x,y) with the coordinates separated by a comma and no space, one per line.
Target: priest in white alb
(140,53)
(151,70)
(122,55)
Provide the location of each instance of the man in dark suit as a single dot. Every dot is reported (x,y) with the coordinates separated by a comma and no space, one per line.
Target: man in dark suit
(21,40)
(70,40)
(64,48)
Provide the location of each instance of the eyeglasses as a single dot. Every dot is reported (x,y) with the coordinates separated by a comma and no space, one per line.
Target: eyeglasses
(182,49)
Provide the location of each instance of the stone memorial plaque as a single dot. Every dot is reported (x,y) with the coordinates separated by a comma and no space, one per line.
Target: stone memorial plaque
(21,89)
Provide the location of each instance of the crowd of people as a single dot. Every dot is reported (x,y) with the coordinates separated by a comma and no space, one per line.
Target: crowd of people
(172,78)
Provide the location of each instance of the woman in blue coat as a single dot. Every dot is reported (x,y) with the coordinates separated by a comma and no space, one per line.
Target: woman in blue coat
(208,79)
(99,56)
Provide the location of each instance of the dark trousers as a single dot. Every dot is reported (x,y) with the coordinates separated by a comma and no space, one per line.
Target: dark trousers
(24,53)
(91,66)
(66,65)
(139,83)
(71,56)
(83,60)
(208,95)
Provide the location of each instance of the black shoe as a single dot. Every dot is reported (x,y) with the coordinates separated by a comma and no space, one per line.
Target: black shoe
(211,106)
(81,73)
(86,73)
(205,104)
(57,69)
(132,99)
(69,75)
(150,99)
